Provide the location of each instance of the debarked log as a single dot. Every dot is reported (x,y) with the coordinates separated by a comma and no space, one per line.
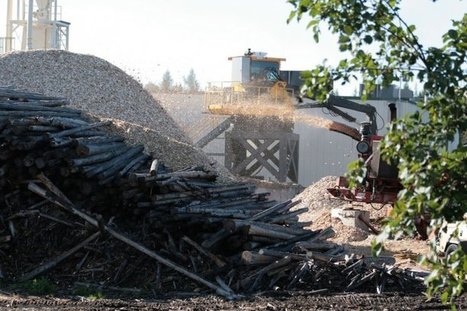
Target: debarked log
(97,158)
(269,211)
(25,107)
(219,262)
(133,164)
(279,254)
(254,258)
(315,246)
(154,166)
(8,92)
(99,140)
(42,128)
(22,114)
(76,130)
(182,174)
(264,229)
(244,282)
(217,211)
(59,122)
(204,192)
(111,167)
(121,161)
(288,217)
(87,150)
(216,238)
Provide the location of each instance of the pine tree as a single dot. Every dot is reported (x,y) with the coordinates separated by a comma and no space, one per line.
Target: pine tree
(167,82)
(191,84)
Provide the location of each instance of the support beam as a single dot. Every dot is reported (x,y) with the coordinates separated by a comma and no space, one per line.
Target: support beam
(30,9)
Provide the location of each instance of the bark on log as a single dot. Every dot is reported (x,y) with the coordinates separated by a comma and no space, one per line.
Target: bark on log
(219,262)
(77,130)
(64,202)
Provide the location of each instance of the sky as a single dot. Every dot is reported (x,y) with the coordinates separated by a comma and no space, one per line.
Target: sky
(148,37)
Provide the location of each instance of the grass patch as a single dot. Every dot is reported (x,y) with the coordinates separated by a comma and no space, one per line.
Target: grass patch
(89,293)
(41,286)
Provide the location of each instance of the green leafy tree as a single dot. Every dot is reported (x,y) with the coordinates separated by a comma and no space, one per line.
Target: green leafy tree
(191,84)
(381,47)
(167,82)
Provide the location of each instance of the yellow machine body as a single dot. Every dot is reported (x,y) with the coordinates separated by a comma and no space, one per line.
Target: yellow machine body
(256,88)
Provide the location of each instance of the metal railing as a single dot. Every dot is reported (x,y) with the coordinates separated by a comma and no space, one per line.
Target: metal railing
(235,93)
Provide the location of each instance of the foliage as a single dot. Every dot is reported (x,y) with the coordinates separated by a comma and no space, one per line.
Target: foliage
(96,296)
(167,82)
(41,286)
(89,293)
(168,85)
(177,88)
(382,48)
(151,87)
(191,84)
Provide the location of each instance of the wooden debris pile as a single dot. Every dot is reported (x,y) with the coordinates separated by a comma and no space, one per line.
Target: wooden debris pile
(81,206)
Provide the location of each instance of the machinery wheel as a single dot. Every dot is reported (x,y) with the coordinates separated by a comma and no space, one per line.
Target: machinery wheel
(451,249)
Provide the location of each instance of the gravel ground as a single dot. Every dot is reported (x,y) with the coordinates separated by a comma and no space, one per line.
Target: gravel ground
(103,90)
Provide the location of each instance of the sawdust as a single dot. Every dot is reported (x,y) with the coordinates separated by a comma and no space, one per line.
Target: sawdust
(343,233)
(318,200)
(320,203)
(314,121)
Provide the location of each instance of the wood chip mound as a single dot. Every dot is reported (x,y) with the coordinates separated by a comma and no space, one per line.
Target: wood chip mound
(101,89)
(344,233)
(320,203)
(318,200)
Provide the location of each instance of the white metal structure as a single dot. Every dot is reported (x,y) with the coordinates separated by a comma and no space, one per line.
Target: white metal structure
(447,241)
(34,25)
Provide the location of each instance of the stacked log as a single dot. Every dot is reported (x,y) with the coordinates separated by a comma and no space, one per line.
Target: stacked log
(62,171)
(34,141)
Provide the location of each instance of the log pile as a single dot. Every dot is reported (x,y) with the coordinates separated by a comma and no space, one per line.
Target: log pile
(81,206)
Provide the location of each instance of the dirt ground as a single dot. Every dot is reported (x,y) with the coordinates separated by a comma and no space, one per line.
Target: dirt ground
(407,251)
(267,301)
